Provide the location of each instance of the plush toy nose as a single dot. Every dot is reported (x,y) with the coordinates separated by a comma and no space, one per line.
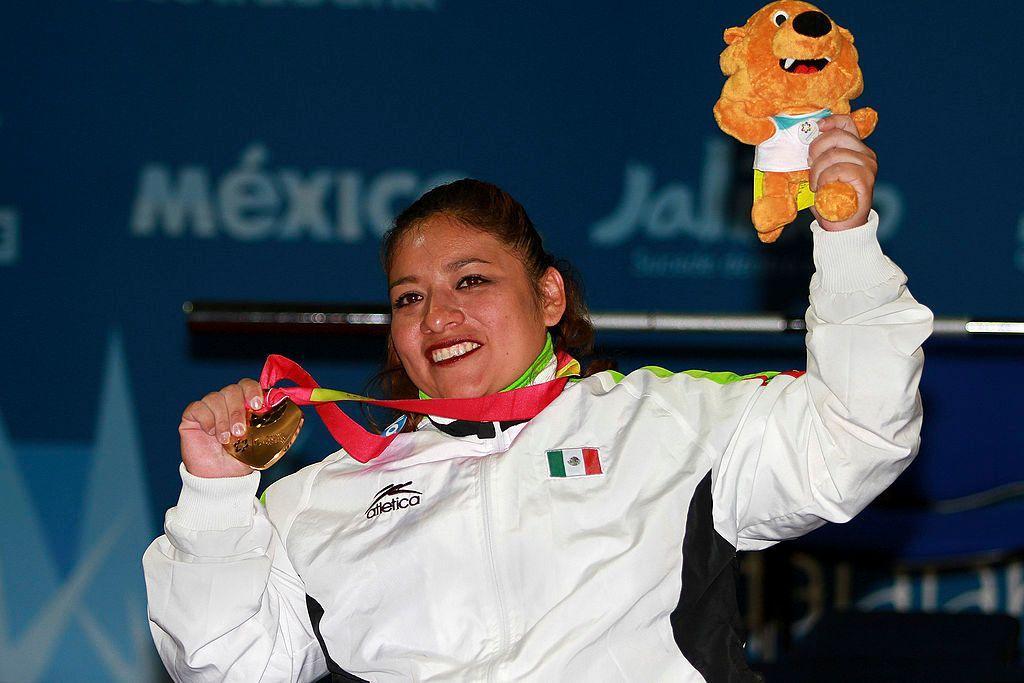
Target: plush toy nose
(812,24)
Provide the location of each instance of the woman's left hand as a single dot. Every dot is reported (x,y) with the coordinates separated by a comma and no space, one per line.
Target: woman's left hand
(839,155)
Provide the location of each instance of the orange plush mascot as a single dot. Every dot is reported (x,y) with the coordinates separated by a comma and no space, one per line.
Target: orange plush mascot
(789,67)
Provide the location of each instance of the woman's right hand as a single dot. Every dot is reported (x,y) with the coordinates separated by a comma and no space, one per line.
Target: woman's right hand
(208,424)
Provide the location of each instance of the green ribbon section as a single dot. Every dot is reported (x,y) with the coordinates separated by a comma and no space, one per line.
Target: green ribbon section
(321,394)
(729,377)
(716,377)
(536,367)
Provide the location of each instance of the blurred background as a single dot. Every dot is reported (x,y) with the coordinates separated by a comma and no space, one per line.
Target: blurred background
(163,151)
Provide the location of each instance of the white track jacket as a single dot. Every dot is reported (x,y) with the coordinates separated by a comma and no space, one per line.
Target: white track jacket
(595,542)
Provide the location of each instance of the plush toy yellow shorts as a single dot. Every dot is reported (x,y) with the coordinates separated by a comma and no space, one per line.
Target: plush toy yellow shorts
(804,196)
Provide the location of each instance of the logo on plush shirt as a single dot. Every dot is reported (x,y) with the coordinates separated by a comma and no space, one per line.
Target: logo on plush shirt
(808,131)
(380,506)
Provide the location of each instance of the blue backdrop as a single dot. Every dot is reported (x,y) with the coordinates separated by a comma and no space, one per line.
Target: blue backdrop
(156,151)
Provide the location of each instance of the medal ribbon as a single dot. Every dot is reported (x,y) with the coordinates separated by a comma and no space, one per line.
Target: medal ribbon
(517,404)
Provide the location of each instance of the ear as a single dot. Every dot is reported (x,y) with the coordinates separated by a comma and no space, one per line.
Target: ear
(846,35)
(552,292)
(733,34)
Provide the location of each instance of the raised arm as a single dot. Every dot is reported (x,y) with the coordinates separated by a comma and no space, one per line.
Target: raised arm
(225,603)
(820,446)
(805,448)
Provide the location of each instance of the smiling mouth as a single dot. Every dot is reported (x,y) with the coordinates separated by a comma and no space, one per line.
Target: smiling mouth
(804,66)
(452,353)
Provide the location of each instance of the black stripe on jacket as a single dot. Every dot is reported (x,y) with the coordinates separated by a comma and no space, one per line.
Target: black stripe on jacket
(706,623)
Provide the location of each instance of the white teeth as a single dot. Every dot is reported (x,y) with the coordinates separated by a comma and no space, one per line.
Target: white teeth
(789,63)
(828,59)
(453,351)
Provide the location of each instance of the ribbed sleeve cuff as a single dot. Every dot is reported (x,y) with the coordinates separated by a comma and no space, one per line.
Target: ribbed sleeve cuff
(215,504)
(851,260)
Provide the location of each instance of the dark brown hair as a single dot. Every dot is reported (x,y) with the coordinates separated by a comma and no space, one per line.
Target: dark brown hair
(490,209)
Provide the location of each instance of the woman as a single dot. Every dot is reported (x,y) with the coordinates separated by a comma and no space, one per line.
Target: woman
(592,542)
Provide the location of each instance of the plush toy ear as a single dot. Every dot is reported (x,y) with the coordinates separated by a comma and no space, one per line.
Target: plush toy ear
(731,59)
(733,34)
(845,34)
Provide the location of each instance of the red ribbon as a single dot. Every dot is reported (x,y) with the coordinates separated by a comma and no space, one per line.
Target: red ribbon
(518,404)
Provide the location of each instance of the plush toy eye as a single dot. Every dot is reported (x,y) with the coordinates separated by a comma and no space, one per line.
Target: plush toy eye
(780,18)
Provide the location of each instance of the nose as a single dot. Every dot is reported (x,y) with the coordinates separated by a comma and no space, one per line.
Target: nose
(812,24)
(439,314)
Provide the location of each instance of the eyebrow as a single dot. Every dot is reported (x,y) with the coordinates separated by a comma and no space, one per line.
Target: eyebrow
(450,267)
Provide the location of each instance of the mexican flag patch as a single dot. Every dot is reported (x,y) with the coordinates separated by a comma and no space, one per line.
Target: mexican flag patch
(574,462)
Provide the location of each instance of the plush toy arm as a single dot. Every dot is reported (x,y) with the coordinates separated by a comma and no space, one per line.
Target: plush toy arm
(733,118)
(865,119)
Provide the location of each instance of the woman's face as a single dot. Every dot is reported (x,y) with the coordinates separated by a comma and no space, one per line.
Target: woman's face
(466,319)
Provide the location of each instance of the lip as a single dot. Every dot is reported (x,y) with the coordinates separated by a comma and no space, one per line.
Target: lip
(804,66)
(429,351)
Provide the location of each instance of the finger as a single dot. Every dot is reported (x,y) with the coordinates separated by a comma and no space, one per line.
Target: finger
(216,403)
(839,122)
(837,139)
(839,156)
(200,413)
(253,393)
(234,399)
(852,174)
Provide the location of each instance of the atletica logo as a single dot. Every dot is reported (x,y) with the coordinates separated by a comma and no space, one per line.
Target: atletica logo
(380,506)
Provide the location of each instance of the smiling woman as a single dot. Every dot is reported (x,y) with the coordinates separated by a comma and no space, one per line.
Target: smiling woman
(473,294)
(590,534)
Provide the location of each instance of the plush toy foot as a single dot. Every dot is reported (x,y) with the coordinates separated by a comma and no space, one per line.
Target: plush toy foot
(770,214)
(836,201)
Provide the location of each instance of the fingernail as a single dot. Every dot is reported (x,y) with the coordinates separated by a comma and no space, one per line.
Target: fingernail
(238,429)
(211,432)
(256,403)
(225,437)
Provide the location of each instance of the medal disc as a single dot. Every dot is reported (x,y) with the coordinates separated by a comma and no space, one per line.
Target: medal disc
(268,436)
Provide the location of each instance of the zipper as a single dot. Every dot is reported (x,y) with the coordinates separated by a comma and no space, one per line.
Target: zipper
(485,493)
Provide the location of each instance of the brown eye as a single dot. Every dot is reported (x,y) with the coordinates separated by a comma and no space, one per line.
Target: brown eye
(779,18)
(405,300)
(471,281)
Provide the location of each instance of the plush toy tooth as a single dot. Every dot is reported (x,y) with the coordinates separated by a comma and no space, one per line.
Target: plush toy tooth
(762,106)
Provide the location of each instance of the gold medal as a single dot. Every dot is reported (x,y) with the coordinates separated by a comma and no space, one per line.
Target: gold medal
(269,435)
